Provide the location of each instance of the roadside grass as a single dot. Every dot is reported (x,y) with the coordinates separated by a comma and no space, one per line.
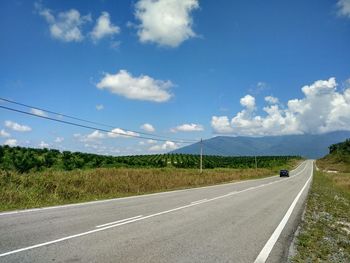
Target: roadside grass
(335,162)
(49,187)
(325,231)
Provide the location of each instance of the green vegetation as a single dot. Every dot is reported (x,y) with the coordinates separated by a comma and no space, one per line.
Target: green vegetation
(342,148)
(37,189)
(24,160)
(41,177)
(338,158)
(325,231)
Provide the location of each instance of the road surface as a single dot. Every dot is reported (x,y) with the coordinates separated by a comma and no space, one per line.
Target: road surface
(250,221)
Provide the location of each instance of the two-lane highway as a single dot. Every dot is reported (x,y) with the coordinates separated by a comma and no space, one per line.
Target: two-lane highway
(238,222)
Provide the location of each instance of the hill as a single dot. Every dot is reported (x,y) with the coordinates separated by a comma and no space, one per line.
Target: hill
(338,158)
(306,145)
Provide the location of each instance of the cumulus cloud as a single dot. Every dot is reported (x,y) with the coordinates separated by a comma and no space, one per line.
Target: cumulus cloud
(4,133)
(99,107)
(17,127)
(65,26)
(191,127)
(104,28)
(117,132)
(147,127)
(248,101)
(38,112)
(165,22)
(43,144)
(322,109)
(137,88)
(95,135)
(271,99)
(168,145)
(221,124)
(344,8)
(11,142)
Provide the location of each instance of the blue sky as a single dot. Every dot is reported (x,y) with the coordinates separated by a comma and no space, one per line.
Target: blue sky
(186,68)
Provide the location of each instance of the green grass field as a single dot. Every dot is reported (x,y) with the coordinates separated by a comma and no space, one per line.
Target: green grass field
(52,187)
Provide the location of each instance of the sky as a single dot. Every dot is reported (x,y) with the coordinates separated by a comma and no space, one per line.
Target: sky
(180,69)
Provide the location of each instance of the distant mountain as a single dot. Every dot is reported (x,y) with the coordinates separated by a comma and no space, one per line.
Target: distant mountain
(308,145)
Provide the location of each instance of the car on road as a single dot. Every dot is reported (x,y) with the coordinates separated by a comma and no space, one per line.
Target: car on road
(284,173)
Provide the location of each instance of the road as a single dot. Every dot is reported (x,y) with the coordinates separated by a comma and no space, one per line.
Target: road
(250,221)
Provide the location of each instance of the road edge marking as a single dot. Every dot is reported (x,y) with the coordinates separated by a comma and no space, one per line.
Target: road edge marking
(265,252)
(144,217)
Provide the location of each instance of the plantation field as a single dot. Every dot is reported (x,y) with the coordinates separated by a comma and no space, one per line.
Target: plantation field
(24,160)
(41,177)
(50,187)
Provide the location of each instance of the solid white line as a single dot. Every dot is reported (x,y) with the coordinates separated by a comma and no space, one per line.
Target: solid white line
(265,252)
(141,218)
(199,201)
(119,221)
(132,197)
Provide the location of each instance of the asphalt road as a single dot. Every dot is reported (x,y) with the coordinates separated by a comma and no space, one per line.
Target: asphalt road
(250,221)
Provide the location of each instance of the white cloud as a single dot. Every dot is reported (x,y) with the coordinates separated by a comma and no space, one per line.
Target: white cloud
(165,22)
(95,135)
(104,28)
(188,128)
(38,112)
(248,101)
(323,109)
(11,142)
(138,88)
(17,127)
(4,133)
(346,84)
(43,144)
(151,141)
(168,145)
(344,8)
(65,26)
(117,132)
(221,124)
(271,99)
(59,139)
(99,107)
(147,127)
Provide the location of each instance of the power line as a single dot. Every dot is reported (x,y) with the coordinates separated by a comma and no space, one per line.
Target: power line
(88,121)
(90,127)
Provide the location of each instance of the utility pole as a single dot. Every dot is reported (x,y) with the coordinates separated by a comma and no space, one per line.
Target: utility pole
(256,164)
(201,157)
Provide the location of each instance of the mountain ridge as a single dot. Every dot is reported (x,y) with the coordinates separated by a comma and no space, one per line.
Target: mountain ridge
(307,145)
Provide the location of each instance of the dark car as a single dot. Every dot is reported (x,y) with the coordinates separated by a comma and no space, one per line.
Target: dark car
(284,173)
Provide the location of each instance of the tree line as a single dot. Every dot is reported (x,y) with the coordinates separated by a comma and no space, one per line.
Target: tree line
(23,160)
(341,148)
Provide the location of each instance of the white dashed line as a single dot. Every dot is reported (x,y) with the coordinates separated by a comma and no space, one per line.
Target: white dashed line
(119,221)
(139,218)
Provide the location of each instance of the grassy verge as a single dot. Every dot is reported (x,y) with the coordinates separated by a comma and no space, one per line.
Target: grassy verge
(38,189)
(325,230)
